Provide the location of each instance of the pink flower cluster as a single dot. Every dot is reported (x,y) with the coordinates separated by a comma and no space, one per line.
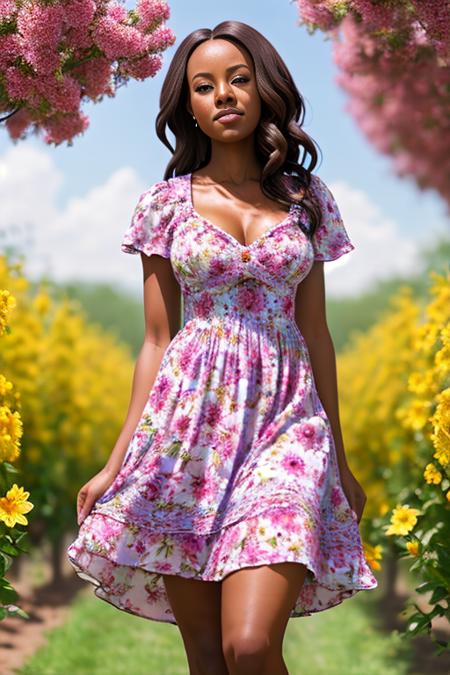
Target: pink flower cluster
(393,60)
(54,55)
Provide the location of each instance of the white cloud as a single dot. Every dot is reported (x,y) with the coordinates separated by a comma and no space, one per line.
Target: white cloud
(381,250)
(81,239)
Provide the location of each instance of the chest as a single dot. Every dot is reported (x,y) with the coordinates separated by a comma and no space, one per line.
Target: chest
(204,255)
(245,218)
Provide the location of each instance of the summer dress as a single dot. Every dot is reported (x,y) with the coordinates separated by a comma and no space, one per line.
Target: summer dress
(233,462)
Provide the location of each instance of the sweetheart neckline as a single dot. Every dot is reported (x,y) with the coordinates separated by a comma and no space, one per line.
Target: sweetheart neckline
(229,236)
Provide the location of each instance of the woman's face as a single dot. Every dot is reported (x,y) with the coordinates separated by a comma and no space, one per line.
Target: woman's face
(220,75)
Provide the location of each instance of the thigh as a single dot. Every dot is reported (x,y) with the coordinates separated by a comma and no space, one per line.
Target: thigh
(197,609)
(257,602)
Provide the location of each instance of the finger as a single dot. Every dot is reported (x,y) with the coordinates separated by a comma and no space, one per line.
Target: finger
(85,509)
(80,501)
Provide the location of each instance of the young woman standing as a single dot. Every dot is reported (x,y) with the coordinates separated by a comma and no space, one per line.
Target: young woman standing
(227,505)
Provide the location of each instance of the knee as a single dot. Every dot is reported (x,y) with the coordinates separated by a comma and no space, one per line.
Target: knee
(205,657)
(246,653)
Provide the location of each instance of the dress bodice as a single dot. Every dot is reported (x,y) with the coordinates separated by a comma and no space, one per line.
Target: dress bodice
(222,278)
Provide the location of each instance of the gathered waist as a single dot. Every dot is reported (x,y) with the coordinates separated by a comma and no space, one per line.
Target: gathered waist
(233,329)
(249,303)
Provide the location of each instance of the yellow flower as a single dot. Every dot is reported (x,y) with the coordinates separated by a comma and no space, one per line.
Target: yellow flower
(443,456)
(14,505)
(5,386)
(448,495)
(402,520)
(372,555)
(11,431)
(431,474)
(413,547)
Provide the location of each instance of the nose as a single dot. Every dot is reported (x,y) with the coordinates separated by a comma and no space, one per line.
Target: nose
(224,93)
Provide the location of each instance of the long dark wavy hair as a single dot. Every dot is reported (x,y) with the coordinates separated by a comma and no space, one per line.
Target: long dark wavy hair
(278,137)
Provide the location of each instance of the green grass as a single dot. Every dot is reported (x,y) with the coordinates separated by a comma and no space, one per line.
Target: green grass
(98,639)
(344,640)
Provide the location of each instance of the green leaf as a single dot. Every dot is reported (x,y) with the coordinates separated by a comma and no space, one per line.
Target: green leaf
(439,594)
(5,563)
(8,595)
(10,468)
(7,547)
(427,586)
(418,622)
(23,545)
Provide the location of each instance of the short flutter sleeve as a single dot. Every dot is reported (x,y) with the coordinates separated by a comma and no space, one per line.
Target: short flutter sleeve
(149,230)
(330,239)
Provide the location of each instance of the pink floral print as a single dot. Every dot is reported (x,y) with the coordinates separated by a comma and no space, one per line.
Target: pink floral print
(233,462)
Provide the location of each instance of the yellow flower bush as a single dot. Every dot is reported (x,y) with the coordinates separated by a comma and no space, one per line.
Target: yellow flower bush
(429,391)
(74,380)
(373,371)
(398,434)
(14,504)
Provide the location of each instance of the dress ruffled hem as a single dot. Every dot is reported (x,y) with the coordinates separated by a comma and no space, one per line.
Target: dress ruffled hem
(128,573)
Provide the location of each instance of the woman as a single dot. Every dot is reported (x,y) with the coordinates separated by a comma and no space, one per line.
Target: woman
(227,505)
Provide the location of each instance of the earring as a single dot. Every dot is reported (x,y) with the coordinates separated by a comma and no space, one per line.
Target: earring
(193,117)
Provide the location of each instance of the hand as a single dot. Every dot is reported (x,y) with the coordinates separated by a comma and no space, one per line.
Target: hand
(353,491)
(91,491)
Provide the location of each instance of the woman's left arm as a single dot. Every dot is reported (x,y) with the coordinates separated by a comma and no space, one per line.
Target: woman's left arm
(310,316)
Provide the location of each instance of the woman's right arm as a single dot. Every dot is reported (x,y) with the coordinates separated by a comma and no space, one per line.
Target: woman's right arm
(162,319)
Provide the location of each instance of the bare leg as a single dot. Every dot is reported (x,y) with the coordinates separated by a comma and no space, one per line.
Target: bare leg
(196,607)
(256,605)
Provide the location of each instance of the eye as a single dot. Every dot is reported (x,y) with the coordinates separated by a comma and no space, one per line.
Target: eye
(201,89)
(241,77)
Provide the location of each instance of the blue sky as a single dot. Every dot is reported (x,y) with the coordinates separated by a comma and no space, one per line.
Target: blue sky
(121,141)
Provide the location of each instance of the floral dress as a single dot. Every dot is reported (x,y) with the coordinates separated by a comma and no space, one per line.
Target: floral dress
(232,463)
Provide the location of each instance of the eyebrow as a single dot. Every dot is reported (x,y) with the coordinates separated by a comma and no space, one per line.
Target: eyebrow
(229,69)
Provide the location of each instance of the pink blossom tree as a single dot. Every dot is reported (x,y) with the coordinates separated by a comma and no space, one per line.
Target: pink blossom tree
(393,58)
(55,54)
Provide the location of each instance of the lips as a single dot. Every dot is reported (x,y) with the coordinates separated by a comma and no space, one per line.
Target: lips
(228,111)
